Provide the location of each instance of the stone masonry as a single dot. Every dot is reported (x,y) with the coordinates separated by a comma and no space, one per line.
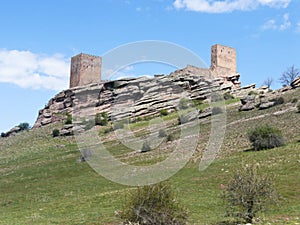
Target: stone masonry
(85,70)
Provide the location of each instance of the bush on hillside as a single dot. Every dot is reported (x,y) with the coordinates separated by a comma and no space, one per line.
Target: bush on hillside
(248,193)
(162,133)
(228,96)
(146,147)
(279,101)
(294,100)
(183,103)
(153,204)
(101,119)
(163,112)
(265,137)
(216,110)
(24,126)
(55,133)
(69,119)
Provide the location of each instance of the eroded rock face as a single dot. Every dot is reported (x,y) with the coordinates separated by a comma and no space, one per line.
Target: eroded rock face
(131,98)
(248,103)
(296,83)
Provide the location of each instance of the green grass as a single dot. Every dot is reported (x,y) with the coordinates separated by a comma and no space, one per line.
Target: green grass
(42,181)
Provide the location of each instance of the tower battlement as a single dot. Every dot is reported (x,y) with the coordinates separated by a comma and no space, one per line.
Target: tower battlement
(223,60)
(85,69)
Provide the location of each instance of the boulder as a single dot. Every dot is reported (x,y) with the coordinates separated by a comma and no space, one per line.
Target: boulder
(248,103)
(266,105)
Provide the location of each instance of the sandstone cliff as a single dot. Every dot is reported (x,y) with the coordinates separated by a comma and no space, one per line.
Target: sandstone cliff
(138,97)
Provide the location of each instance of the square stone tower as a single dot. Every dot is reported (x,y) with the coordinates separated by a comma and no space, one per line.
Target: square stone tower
(85,69)
(223,60)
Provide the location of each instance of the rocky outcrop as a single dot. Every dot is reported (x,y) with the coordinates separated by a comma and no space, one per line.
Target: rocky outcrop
(131,98)
(296,83)
(12,132)
(248,103)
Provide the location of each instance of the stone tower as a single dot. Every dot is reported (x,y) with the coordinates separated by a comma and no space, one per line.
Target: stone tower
(85,69)
(223,60)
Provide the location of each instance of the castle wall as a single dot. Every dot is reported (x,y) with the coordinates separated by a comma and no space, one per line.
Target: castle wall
(223,60)
(85,69)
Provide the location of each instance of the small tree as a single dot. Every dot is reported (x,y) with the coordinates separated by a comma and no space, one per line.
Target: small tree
(154,204)
(289,76)
(163,112)
(24,126)
(101,119)
(55,133)
(298,107)
(69,119)
(162,133)
(146,147)
(248,193)
(183,103)
(265,137)
(268,82)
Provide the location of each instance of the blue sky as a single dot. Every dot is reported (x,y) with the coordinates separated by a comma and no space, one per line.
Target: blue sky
(39,37)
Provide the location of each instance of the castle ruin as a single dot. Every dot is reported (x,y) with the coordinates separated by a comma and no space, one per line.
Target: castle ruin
(86,69)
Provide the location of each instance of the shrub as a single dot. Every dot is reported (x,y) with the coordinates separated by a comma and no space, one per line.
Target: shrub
(216,110)
(294,100)
(228,96)
(69,119)
(279,101)
(101,119)
(162,133)
(55,133)
(183,103)
(118,124)
(182,119)
(108,130)
(298,107)
(265,137)
(252,93)
(248,193)
(154,204)
(3,134)
(146,147)
(24,126)
(173,136)
(163,112)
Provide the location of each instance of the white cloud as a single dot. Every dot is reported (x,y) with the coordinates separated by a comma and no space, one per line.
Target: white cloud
(30,70)
(298,27)
(286,22)
(211,6)
(273,25)
(269,25)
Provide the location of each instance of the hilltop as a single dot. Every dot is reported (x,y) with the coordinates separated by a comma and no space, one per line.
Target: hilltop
(43,180)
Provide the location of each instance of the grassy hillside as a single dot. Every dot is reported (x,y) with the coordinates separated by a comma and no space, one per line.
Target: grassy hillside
(43,182)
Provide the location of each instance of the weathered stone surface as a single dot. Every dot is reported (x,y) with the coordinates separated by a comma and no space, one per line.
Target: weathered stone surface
(133,97)
(67,130)
(266,105)
(296,83)
(248,103)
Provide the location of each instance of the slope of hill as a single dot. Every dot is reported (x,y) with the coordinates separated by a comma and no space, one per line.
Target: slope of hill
(43,181)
